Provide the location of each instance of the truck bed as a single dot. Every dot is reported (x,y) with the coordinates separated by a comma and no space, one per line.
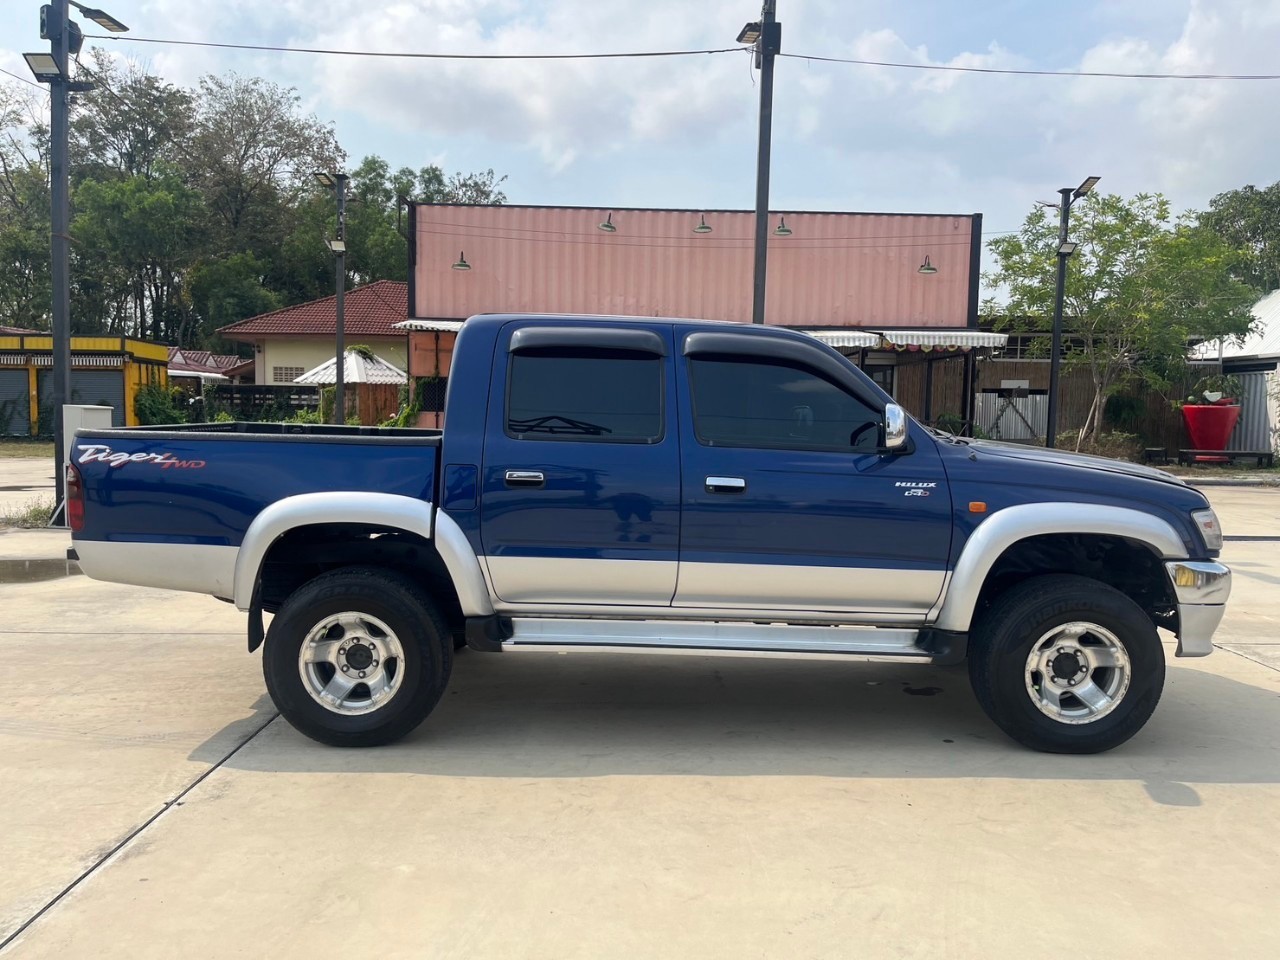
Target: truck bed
(204,483)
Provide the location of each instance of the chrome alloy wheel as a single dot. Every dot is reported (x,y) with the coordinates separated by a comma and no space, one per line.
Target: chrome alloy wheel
(1078,672)
(351,663)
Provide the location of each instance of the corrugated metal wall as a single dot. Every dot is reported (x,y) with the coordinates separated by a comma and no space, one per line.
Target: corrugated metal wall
(1255,429)
(1012,418)
(833,269)
(15,406)
(103,387)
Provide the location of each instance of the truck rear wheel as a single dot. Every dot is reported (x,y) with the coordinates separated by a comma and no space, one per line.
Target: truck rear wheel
(1066,664)
(357,657)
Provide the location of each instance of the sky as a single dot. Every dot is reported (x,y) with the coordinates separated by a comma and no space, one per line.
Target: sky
(681,132)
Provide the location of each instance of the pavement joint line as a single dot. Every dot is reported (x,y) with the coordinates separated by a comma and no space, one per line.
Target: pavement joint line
(1249,539)
(105,858)
(1245,656)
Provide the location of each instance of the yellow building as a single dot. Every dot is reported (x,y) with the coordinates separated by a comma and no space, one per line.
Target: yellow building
(104,370)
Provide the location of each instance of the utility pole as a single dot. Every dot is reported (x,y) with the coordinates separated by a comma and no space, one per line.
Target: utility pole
(766,35)
(1055,358)
(1066,248)
(337,182)
(340,281)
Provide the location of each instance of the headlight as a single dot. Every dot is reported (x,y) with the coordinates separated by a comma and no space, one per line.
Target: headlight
(1210,529)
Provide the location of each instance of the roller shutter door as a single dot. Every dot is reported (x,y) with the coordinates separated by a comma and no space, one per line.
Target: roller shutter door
(101,387)
(15,406)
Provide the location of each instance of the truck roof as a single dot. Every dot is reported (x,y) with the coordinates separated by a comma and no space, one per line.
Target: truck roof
(498,319)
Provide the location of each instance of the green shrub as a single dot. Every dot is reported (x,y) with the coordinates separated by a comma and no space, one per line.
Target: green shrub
(32,516)
(155,405)
(1116,445)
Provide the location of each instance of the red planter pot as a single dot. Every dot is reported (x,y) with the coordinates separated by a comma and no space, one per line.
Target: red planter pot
(1210,426)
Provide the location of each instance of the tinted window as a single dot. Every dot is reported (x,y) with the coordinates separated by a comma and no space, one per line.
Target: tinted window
(758,403)
(609,396)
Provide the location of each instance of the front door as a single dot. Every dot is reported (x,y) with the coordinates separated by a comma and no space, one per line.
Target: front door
(581,479)
(788,504)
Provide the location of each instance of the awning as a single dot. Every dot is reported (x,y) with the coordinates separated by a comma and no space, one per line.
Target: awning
(188,371)
(947,339)
(431,326)
(846,338)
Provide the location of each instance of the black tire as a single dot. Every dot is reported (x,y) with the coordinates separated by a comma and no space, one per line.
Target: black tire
(1001,643)
(410,614)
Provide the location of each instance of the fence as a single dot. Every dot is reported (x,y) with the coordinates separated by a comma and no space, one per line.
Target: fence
(260,401)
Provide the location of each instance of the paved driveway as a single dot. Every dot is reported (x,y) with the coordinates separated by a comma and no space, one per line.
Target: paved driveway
(586,806)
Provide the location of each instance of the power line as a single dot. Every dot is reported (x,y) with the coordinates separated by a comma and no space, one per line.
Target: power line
(1114,75)
(417,56)
(1008,71)
(39,86)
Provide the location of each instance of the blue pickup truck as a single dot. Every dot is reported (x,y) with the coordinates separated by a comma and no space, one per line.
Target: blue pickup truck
(619,483)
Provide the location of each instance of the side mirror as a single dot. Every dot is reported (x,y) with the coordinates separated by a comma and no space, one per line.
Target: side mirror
(895,429)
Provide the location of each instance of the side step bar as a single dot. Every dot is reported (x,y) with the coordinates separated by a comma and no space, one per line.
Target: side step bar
(691,635)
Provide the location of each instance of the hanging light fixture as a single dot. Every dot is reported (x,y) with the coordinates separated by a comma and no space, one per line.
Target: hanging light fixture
(462,262)
(927,267)
(607,226)
(702,225)
(783,230)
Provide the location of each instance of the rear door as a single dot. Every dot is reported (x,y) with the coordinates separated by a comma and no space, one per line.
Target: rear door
(580,498)
(787,502)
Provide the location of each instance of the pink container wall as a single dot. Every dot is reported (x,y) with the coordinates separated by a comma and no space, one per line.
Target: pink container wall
(836,269)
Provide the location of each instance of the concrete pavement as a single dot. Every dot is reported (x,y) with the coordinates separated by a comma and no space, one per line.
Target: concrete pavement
(23,479)
(586,805)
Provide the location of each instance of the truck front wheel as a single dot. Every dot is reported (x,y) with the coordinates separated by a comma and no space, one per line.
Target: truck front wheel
(1065,664)
(357,657)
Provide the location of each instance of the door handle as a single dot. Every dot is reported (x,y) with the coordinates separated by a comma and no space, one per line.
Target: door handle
(525,478)
(726,485)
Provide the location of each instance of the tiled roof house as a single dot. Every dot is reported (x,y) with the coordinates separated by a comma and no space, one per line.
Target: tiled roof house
(293,340)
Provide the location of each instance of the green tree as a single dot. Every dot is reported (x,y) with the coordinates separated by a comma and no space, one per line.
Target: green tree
(252,157)
(377,248)
(1141,288)
(24,212)
(137,237)
(1249,219)
(225,290)
(130,125)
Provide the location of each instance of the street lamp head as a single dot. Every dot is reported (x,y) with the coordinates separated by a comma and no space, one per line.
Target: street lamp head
(927,268)
(103,19)
(1067,248)
(44,67)
(607,225)
(702,226)
(462,262)
(1084,188)
(336,246)
(782,229)
(750,33)
(325,179)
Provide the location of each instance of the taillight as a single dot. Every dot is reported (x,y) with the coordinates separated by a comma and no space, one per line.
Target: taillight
(75,498)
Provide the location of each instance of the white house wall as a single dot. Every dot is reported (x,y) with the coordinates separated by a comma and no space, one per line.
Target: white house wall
(309,353)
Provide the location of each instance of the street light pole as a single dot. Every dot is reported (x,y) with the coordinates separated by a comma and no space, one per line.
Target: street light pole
(1055,357)
(1069,196)
(340,280)
(54,68)
(59,221)
(337,182)
(767,37)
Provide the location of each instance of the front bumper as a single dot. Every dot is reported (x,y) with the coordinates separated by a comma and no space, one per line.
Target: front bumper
(1202,588)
